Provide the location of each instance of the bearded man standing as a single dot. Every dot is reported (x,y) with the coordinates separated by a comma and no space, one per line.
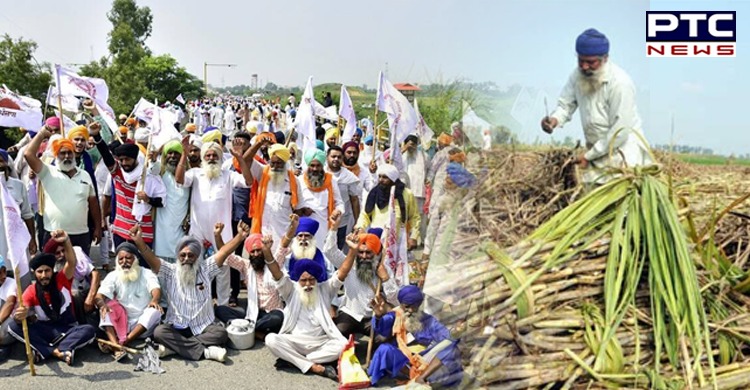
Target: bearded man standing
(349,188)
(320,193)
(128,300)
(170,218)
(190,328)
(606,97)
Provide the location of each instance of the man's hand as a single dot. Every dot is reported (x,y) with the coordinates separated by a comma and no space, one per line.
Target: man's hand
(142,196)
(97,235)
(13,149)
(267,242)
(60,236)
(185,144)
(352,240)
(378,306)
(104,310)
(293,224)
(382,272)
(32,247)
(549,124)
(412,243)
(218,228)
(243,227)
(373,167)
(334,220)
(88,304)
(155,305)
(44,132)
(136,234)
(21,313)
(94,129)
(582,162)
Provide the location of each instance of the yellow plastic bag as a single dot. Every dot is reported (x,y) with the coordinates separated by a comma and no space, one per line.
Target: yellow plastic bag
(351,373)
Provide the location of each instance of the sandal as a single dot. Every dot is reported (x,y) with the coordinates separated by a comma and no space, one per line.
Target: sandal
(104,348)
(119,355)
(68,357)
(330,373)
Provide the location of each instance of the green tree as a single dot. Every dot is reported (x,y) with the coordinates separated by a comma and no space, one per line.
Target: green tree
(20,71)
(165,79)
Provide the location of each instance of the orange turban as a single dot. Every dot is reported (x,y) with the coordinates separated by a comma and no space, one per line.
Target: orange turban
(123,130)
(190,128)
(270,136)
(62,143)
(130,122)
(457,157)
(445,139)
(78,131)
(371,241)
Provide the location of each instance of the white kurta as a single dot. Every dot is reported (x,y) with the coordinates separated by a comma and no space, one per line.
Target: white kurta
(170,217)
(603,113)
(416,168)
(318,202)
(349,185)
(133,296)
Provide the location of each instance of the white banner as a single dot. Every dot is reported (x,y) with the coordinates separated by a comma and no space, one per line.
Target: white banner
(346,111)
(402,119)
(19,111)
(304,122)
(69,102)
(16,234)
(424,132)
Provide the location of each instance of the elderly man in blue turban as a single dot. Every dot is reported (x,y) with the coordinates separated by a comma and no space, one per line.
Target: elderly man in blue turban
(309,339)
(606,97)
(420,343)
(300,239)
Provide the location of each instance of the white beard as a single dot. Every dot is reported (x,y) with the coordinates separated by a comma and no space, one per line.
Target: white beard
(315,180)
(301,252)
(129,275)
(187,273)
(413,323)
(66,165)
(212,170)
(308,299)
(590,84)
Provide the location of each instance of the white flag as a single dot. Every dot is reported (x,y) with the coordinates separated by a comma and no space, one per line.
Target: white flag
(162,128)
(73,84)
(19,111)
(346,111)
(69,124)
(402,119)
(304,122)
(145,110)
(329,113)
(424,132)
(69,102)
(180,99)
(395,254)
(16,234)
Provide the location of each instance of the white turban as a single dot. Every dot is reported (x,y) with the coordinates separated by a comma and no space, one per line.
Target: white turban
(389,171)
(196,140)
(209,146)
(141,135)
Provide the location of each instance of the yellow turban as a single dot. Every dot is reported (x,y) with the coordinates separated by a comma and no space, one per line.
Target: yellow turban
(142,149)
(211,136)
(190,128)
(333,132)
(280,151)
(78,131)
(293,146)
(251,128)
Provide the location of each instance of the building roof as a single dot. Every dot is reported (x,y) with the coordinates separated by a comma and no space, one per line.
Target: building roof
(406,87)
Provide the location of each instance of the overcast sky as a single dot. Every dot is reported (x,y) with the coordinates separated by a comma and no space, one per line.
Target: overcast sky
(525,42)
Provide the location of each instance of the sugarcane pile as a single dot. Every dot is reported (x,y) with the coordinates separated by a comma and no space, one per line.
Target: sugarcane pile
(612,291)
(525,189)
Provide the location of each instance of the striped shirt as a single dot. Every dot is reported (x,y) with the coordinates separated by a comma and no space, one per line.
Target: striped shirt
(189,306)
(124,220)
(358,294)
(268,297)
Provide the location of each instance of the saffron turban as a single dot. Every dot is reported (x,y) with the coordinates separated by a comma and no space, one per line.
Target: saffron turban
(123,130)
(127,150)
(445,139)
(172,146)
(320,145)
(42,259)
(333,132)
(457,156)
(191,127)
(60,143)
(211,136)
(266,136)
(460,176)
(212,146)
(78,131)
(280,151)
(592,43)
(307,225)
(389,171)
(4,155)
(253,242)
(350,144)
(130,122)
(309,266)
(315,154)
(372,242)
(410,295)
(53,121)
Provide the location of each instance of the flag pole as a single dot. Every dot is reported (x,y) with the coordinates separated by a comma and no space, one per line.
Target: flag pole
(375,135)
(59,100)
(24,324)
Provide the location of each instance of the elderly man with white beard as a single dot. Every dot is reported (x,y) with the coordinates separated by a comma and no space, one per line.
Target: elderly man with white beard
(320,192)
(128,301)
(355,314)
(606,97)
(309,338)
(190,328)
(211,199)
(419,340)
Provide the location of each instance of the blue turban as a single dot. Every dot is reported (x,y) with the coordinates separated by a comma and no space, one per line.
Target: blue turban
(315,267)
(280,138)
(368,140)
(307,225)
(376,231)
(410,295)
(4,155)
(315,154)
(460,176)
(358,131)
(2,262)
(193,245)
(592,43)
(320,145)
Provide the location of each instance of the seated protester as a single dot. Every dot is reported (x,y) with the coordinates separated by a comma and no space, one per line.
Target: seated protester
(355,314)
(48,308)
(264,304)
(190,328)
(303,244)
(85,283)
(7,305)
(420,341)
(132,294)
(308,337)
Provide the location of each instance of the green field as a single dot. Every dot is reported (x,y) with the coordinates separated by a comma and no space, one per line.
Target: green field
(712,159)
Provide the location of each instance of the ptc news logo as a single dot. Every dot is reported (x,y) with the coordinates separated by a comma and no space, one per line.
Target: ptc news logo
(691,33)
